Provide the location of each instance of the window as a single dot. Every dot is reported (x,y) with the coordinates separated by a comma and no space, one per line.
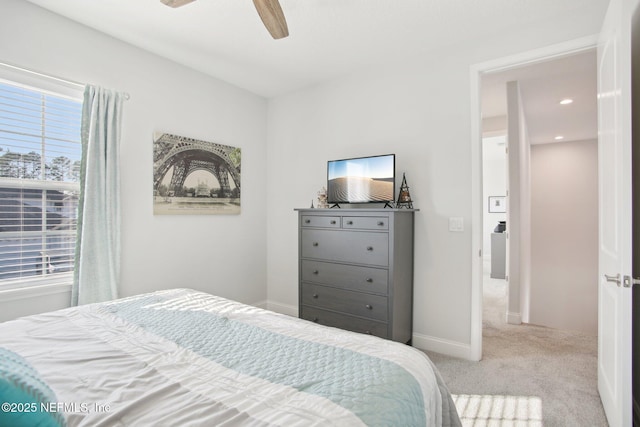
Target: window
(40,153)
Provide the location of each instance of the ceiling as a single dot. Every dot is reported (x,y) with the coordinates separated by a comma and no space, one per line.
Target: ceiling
(328,38)
(542,86)
(226,39)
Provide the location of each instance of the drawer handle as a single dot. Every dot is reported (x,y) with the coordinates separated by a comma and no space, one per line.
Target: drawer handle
(380,223)
(370,248)
(369,280)
(315,296)
(333,221)
(315,271)
(315,243)
(349,222)
(307,221)
(369,307)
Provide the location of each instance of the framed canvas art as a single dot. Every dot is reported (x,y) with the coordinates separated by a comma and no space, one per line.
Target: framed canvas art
(194,177)
(497,204)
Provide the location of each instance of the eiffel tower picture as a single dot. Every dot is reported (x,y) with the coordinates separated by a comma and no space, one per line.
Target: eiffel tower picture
(404,198)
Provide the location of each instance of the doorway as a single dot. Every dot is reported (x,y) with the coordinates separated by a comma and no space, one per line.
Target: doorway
(550,169)
(479,203)
(494,187)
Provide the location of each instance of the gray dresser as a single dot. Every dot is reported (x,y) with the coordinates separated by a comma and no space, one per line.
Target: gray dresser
(356,270)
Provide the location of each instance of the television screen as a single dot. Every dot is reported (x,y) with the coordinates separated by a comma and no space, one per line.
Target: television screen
(361,180)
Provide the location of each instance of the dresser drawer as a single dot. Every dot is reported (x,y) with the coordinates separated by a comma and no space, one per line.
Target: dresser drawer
(321,221)
(349,247)
(365,223)
(352,277)
(356,303)
(343,321)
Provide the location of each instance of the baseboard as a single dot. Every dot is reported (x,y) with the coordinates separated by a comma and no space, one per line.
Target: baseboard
(423,342)
(290,310)
(514,318)
(438,345)
(261,304)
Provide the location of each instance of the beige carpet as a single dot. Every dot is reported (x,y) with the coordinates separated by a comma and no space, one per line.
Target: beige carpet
(555,368)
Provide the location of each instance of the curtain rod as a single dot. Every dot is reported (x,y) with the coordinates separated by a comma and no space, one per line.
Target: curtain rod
(49,76)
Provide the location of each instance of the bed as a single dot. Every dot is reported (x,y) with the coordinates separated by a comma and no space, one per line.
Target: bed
(186,358)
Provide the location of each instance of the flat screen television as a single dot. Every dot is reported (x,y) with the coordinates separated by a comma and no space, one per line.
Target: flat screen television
(362,180)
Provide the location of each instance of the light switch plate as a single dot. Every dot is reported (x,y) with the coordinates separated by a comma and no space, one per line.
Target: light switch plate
(456,224)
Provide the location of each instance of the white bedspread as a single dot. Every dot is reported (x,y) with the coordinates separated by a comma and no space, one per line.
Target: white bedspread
(186,358)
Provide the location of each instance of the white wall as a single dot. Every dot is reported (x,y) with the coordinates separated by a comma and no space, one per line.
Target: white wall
(421,112)
(494,183)
(518,208)
(224,255)
(564,236)
(375,114)
(418,109)
(562,279)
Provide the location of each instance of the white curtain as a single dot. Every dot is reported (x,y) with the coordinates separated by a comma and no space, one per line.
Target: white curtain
(97,271)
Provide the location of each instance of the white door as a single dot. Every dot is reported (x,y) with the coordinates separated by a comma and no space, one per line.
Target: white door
(614,157)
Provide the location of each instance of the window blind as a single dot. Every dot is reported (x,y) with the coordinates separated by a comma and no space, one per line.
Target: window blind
(40,154)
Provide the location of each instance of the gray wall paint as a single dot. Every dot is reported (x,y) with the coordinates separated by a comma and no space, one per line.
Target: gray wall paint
(422,112)
(518,208)
(494,183)
(564,236)
(222,254)
(419,109)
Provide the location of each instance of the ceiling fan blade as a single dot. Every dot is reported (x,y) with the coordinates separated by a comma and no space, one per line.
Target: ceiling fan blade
(271,14)
(176,3)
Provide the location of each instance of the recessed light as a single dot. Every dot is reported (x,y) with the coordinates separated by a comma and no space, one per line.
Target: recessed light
(566,101)
(559,137)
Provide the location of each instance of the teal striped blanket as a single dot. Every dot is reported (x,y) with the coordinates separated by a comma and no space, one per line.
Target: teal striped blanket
(182,357)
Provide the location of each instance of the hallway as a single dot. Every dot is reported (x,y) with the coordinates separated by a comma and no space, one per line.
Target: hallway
(525,360)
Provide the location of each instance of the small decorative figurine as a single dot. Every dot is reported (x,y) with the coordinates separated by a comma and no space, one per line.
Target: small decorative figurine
(404,198)
(322,198)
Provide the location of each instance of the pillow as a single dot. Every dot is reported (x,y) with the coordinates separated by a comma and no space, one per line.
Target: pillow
(22,390)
